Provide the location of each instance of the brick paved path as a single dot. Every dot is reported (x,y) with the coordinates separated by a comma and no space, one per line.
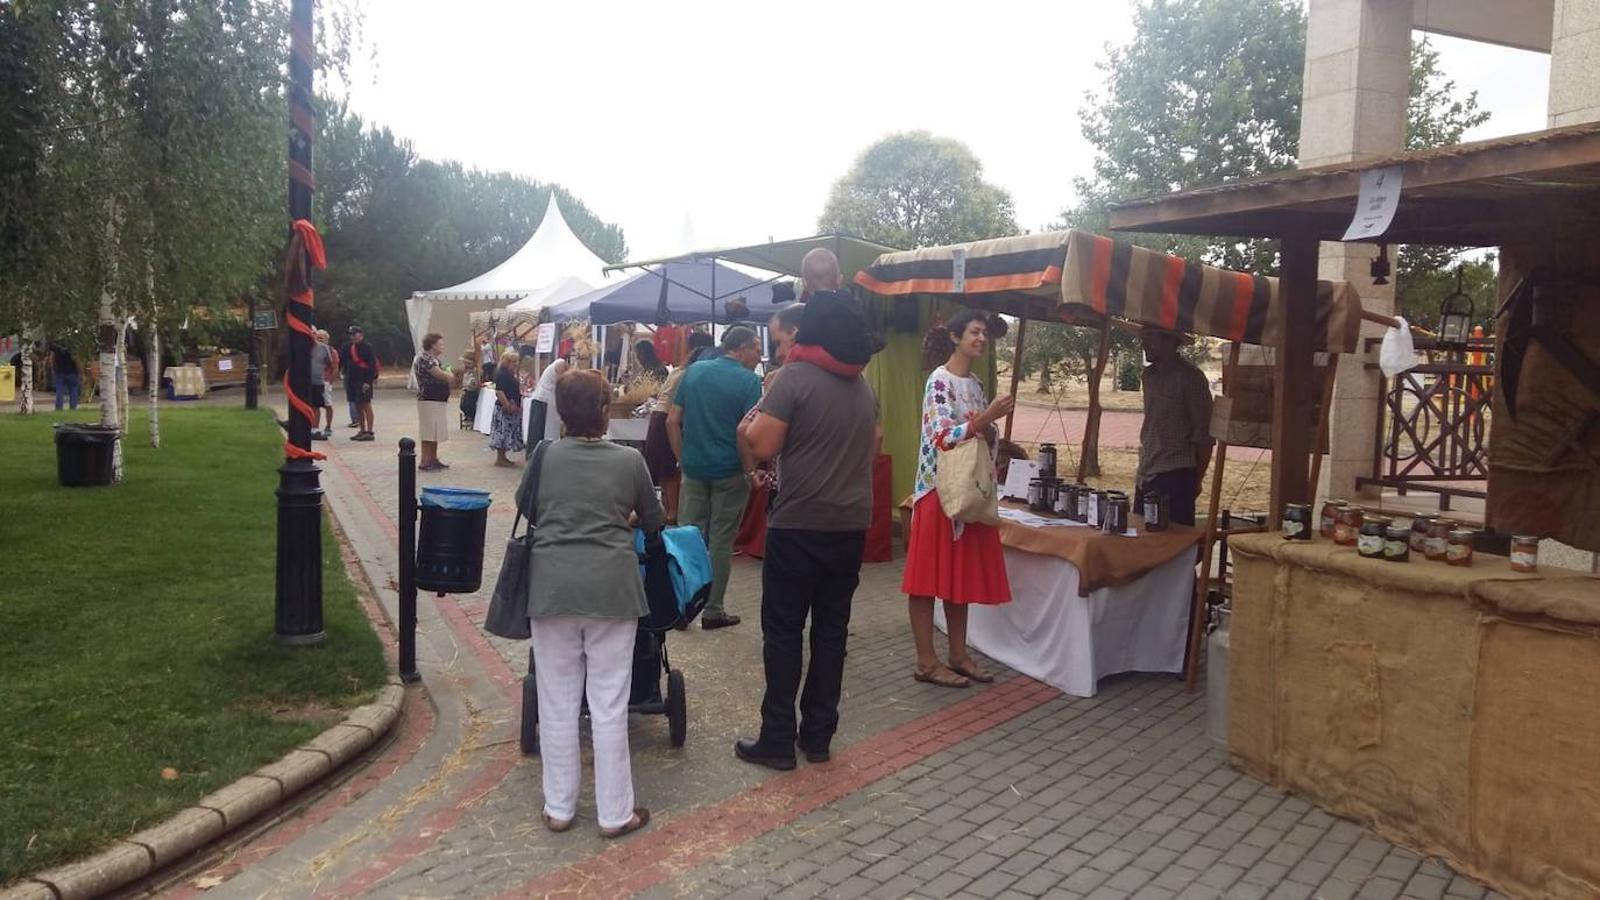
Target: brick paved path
(1007,790)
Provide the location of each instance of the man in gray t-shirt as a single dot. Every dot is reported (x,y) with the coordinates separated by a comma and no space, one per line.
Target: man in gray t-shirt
(321,359)
(819,420)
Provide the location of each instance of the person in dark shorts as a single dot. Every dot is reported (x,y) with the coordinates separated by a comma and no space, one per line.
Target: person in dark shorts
(361,369)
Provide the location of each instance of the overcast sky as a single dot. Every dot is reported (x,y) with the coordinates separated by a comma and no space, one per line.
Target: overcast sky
(726,122)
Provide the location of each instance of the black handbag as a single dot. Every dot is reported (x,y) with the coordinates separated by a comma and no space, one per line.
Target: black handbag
(508,606)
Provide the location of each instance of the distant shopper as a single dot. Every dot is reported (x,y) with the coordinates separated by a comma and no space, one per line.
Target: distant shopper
(64,376)
(648,364)
(330,377)
(321,361)
(703,426)
(543,423)
(1175,439)
(818,420)
(360,374)
(959,563)
(433,402)
(585,602)
(505,428)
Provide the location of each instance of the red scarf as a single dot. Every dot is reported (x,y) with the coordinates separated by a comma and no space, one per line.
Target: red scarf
(823,360)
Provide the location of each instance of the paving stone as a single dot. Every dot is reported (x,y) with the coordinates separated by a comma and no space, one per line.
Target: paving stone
(1083,880)
(1067,861)
(1244,891)
(1380,889)
(1461,886)
(1176,877)
(1398,867)
(979,864)
(1095,842)
(1199,857)
(1037,882)
(1129,879)
(1290,890)
(1243,855)
(1112,860)
(1336,889)
(1156,858)
(1220,876)
(1024,863)
(1425,887)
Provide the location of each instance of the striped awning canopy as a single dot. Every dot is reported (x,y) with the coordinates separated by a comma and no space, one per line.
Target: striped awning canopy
(1082,278)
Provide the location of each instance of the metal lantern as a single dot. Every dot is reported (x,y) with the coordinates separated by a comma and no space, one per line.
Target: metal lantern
(1455,318)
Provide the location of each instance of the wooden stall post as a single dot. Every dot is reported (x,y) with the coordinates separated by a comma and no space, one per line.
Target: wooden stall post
(1324,413)
(1089,458)
(1291,439)
(1202,587)
(1016,371)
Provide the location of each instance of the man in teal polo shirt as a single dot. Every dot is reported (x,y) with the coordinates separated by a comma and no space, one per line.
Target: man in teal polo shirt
(703,426)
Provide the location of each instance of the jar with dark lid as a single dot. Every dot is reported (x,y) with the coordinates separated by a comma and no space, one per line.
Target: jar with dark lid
(1047,498)
(1348,526)
(1116,517)
(1397,544)
(1297,522)
(1524,553)
(1437,546)
(1374,532)
(1035,492)
(1419,533)
(1458,552)
(1157,510)
(1088,506)
(1329,517)
(1047,460)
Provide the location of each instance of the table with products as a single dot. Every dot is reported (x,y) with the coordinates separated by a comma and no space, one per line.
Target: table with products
(1452,708)
(1086,604)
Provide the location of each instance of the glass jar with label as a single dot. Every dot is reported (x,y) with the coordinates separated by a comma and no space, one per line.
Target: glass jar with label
(1524,553)
(1297,522)
(1329,519)
(1157,510)
(1373,533)
(1047,460)
(1035,493)
(1437,546)
(1458,552)
(1397,544)
(1348,526)
(1419,533)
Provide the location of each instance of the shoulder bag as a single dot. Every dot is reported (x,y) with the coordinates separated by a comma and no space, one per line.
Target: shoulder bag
(508,607)
(965,482)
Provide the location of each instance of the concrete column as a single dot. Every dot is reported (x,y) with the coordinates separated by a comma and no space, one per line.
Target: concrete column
(1575,63)
(1356,80)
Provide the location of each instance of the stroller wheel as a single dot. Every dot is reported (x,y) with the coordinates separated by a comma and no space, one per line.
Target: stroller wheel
(677,709)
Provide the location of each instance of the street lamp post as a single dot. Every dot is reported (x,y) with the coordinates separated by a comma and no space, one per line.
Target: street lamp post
(298,611)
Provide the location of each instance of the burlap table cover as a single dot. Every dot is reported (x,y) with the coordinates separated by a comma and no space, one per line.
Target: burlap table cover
(1454,710)
(1102,560)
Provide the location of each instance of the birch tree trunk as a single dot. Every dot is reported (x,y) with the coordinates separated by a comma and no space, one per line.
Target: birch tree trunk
(25,389)
(152,369)
(107,382)
(122,376)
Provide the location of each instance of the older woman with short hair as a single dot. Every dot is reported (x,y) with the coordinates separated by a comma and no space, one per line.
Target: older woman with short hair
(505,427)
(585,600)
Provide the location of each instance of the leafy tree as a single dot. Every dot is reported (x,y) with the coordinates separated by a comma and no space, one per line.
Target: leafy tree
(913,189)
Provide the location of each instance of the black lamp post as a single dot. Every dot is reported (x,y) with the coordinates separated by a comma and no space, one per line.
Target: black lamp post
(298,611)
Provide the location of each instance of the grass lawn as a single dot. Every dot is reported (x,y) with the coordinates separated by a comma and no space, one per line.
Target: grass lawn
(136,632)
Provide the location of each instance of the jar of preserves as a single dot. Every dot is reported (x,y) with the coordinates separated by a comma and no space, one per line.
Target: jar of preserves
(1397,544)
(1066,500)
(1458,552)
(1348,526)
(1524,553)
(1157,510)
(1374,532)
(1047,497)
(1093,502)
(1297,522)
(1047,460)
(1035,493)
(1419,533)
(1329,517)
(1437,546)
(1116,515)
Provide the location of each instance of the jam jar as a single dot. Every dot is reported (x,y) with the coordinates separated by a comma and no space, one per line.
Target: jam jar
(1348,526)
(1329,517)
(1419,533)
(1374,532)
(1157,510)
(1397,544)
(1524,553)
(1035,493)
(1066,500)
(1297,522)
(1458,552)
(1437,546)
(1047,496)
(1089,506)
(1116,517)
(1047,460)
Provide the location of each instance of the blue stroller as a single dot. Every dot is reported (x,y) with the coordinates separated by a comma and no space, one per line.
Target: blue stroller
(676,569)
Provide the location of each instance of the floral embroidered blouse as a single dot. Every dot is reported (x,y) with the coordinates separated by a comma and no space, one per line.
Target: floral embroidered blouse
(949,404)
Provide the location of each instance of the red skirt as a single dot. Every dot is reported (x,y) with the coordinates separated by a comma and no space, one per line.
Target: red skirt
(971,570)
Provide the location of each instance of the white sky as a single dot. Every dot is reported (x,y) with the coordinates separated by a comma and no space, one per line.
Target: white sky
(730,120)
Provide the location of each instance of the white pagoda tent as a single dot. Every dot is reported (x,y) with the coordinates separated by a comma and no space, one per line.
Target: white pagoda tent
(553,266)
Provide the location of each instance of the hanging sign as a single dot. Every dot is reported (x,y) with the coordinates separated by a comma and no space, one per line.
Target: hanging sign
(1376,204)
(958,270)
(546,342)
(265,320)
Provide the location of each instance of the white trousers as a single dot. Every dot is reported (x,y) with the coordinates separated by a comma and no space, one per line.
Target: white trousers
(574,656)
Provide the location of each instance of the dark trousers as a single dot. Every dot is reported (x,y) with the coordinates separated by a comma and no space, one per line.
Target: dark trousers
(805,573)
(1181,487)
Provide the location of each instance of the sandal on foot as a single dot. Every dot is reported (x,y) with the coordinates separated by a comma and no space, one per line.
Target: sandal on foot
(973,671)
(556,825)
(942,677)
(641,818)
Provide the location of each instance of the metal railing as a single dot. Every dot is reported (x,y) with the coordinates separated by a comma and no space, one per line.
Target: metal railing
(1433,423)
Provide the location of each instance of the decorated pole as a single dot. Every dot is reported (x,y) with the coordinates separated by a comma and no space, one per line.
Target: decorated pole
(298,618)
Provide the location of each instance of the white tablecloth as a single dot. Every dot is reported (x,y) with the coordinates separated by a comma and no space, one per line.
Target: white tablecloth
(485,416)
(1070,642)
(628,429)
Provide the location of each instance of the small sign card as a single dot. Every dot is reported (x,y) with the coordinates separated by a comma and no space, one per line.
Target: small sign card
(1376,204)
(1021,472)
(547,338)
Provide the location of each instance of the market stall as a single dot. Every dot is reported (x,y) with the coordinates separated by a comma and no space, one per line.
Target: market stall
(1445,705)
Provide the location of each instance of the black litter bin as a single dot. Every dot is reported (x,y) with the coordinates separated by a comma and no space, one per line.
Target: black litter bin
(84,454)
(450,546)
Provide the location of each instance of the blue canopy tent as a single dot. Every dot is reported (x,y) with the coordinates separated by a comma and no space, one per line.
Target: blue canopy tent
(682,293)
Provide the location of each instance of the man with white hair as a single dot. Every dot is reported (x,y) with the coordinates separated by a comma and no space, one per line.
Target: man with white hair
(323,362)
(819,271)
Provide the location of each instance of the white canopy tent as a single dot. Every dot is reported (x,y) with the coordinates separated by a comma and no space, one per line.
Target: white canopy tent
(553,266)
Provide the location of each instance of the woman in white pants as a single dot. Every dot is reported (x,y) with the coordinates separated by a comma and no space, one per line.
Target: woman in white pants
(584,602)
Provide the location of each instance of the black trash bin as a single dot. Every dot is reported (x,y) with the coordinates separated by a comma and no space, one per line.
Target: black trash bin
(450,546)
(84,454)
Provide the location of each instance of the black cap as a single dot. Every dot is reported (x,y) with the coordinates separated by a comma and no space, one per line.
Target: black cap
(353,329)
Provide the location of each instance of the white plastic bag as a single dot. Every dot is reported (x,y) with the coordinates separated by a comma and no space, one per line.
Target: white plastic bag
(1397,353)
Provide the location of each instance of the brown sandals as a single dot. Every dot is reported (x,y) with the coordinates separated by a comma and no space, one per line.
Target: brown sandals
(973,671)
(941,676)
(641,818)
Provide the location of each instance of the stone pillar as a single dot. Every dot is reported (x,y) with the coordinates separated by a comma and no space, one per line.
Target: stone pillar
(1356,80)
(1575,63)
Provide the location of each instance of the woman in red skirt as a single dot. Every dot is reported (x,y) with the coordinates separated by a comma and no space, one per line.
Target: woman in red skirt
(959,563)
